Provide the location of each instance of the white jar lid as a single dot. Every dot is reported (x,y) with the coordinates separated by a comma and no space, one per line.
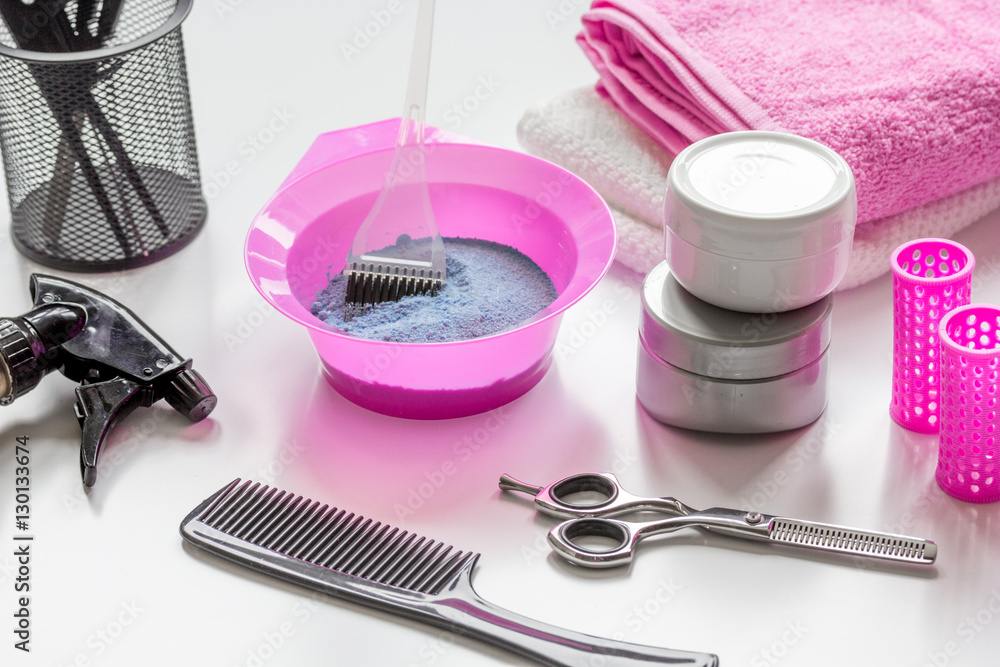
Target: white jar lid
(760,195)
(700,338)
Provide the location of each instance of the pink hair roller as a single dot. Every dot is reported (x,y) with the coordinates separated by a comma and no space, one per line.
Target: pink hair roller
(970,365)
(930,277)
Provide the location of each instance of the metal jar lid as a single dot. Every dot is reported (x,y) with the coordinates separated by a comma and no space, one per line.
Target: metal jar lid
(700,338)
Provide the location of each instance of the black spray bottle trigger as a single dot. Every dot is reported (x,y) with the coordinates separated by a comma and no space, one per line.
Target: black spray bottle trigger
(120,363)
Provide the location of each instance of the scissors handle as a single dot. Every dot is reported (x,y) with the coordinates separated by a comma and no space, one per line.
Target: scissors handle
(569,538)
(606,497)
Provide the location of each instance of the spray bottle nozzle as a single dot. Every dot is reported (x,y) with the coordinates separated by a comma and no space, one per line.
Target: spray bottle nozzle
(120,363)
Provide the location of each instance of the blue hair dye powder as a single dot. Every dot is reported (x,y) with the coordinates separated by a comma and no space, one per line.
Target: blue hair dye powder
(490,288)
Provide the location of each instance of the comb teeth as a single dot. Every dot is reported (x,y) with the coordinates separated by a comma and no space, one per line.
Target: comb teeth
(369,283)
(850,541)
(332,538)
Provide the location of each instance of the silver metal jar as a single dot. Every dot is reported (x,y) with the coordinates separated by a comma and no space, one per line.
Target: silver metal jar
(710,369)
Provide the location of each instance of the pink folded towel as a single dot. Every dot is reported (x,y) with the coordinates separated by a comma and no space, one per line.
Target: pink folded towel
(908,93)
(584,133)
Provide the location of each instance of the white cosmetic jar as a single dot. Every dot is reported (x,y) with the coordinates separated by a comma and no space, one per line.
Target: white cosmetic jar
(706,368)
(759,221)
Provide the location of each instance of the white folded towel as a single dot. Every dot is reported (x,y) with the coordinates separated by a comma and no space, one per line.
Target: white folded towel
(582,132)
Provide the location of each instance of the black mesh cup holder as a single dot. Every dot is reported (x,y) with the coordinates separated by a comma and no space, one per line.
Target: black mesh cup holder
(98,146)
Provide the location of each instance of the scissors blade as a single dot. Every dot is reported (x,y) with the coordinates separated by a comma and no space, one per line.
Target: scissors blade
(871,544)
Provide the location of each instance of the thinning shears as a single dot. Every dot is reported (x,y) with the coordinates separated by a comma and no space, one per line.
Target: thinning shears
(602,516)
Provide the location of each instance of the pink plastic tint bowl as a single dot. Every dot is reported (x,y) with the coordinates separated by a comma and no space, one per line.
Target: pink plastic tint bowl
(302,236)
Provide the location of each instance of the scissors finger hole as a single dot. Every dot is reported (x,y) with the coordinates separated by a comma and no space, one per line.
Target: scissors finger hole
(584,491)
(596,536)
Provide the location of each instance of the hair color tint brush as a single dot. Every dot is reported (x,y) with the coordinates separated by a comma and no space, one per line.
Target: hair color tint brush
(346,555)
(398,250)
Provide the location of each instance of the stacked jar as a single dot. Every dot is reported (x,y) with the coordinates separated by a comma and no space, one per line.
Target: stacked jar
(735,326)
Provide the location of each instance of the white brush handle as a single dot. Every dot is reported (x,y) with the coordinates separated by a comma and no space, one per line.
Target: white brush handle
(415,110)
(406,181)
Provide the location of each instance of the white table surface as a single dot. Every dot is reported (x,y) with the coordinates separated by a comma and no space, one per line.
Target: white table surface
(113,584)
